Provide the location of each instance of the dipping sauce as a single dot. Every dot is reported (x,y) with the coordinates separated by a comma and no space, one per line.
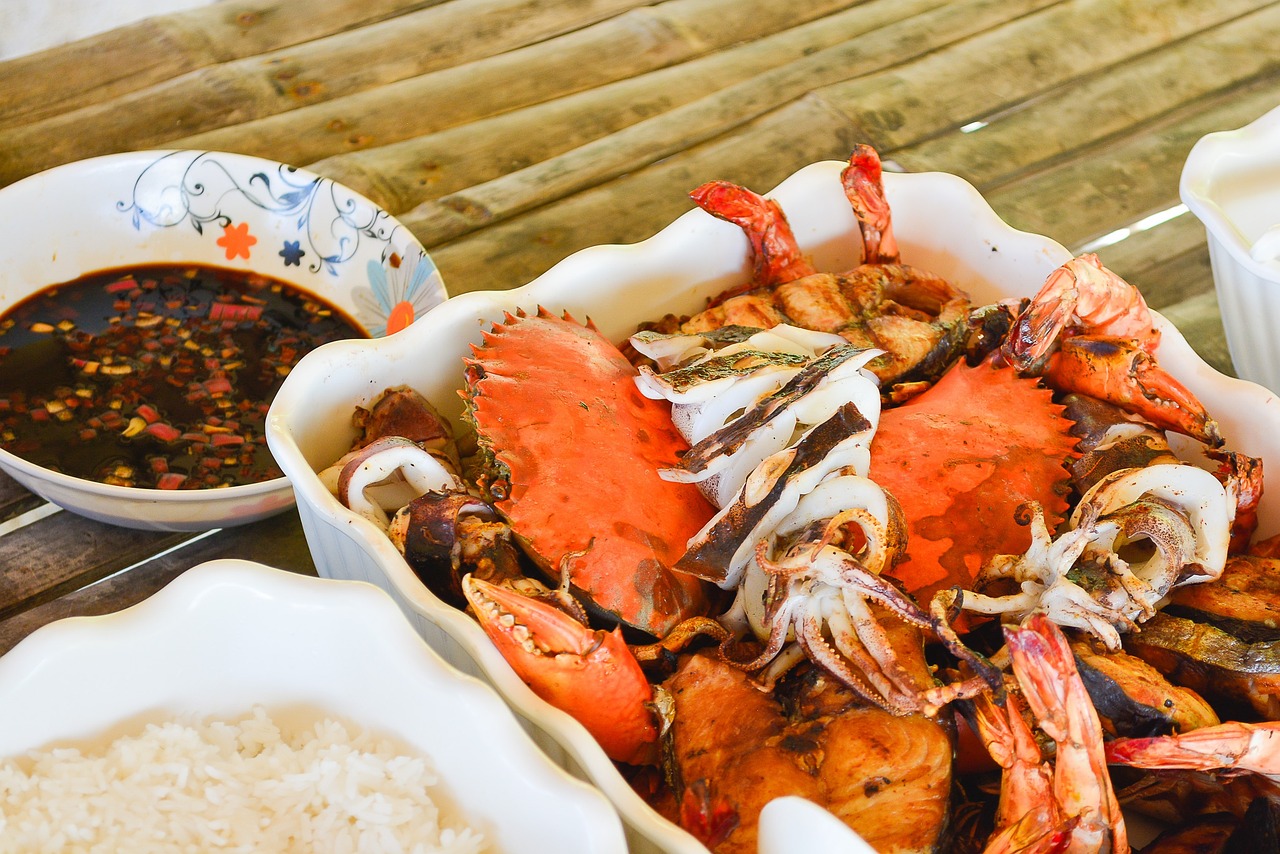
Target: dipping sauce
(155,376)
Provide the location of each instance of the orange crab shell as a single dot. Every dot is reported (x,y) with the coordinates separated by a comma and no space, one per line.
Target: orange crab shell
(961,458)
(557,406)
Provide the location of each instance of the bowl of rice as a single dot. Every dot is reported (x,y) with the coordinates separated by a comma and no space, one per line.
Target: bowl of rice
(247,708)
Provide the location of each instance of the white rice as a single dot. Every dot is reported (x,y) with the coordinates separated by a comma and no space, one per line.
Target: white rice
(228,786)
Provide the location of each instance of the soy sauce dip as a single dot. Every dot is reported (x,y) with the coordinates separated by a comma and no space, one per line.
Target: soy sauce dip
(155,376)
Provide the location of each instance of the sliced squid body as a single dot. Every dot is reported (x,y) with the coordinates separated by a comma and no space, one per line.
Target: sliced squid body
(669,351)
(716,392)
(721,551)
(1192,493)
(385,475)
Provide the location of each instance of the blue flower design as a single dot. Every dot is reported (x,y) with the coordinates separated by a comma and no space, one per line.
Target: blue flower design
(292,253)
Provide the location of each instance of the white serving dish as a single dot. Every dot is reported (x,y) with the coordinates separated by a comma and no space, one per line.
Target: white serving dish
(1231,182)
(942,224)
(229,634)
(170,206)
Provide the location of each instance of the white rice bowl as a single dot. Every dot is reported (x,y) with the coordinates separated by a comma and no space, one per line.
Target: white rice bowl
(244,708)
(327,787)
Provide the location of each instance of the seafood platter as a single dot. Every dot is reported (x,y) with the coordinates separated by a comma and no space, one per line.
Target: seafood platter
(240,698)
(845,495)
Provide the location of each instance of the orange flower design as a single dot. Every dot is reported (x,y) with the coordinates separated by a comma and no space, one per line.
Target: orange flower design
(236,239)
(401,316)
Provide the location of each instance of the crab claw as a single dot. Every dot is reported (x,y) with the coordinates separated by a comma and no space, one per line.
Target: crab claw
(1120,370)
(592,675)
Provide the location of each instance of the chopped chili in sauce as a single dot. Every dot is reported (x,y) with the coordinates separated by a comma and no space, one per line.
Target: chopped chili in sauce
(155,376)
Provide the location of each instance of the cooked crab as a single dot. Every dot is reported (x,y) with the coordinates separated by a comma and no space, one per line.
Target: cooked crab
(572,451)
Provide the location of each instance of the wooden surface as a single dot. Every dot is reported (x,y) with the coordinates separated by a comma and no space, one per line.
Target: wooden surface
(510,133)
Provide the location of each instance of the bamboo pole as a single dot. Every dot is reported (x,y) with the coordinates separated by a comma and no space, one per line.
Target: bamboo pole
(876,103)
(1200,322)
(1112,102)
(444,219)
(48,557)
(621,47)
(442,36)
(1116,30)
(1118,182)
(1142,258)
(403,174)
(150,51)
(1026,59)
(1182,275)
(881,108)
(635,206)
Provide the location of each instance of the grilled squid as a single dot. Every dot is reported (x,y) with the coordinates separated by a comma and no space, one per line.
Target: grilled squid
(1136,535)
(385,475)
(781,427)
(739,404)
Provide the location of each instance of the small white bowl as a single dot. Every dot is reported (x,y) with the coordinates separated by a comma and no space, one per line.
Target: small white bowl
(942,224)
(1231,182)
(171,206)
(229,635)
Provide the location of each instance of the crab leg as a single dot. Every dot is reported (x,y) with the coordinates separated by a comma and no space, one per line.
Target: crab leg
(592,675)
(445,535)
(1121,370)
(1242,477)
(1092,332)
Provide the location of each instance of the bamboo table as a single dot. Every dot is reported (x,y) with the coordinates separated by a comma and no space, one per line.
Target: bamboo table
(510,133)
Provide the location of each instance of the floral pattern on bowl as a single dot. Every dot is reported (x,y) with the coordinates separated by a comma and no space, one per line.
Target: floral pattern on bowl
(398,294)
(311,224)
(217,209)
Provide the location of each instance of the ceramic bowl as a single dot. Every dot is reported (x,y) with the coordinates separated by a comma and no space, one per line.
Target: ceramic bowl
(942,224)
(230,635)
(183,206)
(1231,182)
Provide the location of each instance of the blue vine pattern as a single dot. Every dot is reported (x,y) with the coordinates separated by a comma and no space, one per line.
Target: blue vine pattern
(194,187)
